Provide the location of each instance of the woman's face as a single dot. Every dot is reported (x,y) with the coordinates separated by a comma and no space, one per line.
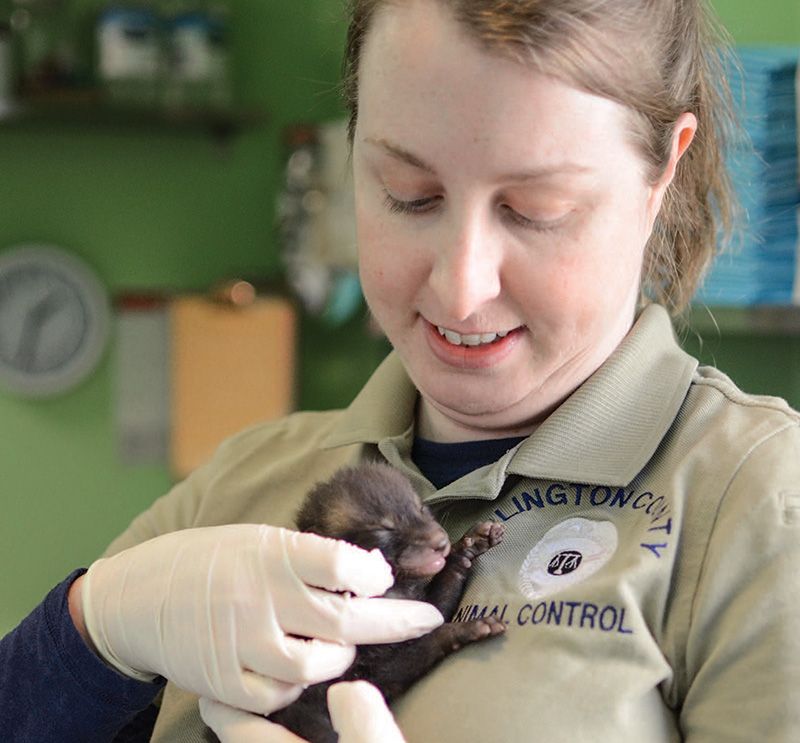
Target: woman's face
(502,218)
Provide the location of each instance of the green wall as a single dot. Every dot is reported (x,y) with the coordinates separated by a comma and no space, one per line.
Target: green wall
(176,211)
(768,22)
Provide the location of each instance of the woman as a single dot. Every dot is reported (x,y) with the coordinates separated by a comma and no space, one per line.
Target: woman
(535,183)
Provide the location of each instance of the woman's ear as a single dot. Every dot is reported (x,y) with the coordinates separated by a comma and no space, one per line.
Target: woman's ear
(682,135)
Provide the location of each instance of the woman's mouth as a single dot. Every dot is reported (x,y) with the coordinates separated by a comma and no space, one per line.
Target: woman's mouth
(472,350)
(470,339)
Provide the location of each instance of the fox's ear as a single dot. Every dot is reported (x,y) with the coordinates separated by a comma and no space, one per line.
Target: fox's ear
(304,520)
(310,516)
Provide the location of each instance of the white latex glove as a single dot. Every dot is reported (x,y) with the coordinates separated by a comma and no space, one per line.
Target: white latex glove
(221,611)
(358,712)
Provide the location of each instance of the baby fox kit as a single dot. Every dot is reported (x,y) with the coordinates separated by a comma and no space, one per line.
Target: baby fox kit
(374,506)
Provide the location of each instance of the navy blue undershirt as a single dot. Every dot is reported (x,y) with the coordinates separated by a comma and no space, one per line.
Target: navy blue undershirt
(445,463)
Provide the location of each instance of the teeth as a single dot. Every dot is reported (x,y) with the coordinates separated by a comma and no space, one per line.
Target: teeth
(452,337)
(475,339)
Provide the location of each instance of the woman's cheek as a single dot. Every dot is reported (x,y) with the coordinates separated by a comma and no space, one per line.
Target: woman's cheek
(376,260)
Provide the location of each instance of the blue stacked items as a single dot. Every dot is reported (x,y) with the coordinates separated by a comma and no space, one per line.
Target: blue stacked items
(761,269)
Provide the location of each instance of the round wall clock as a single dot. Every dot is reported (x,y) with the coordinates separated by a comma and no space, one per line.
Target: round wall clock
(54,320)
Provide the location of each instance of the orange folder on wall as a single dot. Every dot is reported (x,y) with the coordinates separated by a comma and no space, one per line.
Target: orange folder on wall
(231,367)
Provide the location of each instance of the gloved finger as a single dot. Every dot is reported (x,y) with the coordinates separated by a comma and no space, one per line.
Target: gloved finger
(300,660)
(260,693)
(237,726)
(358,621)
(336,565)
(360,715)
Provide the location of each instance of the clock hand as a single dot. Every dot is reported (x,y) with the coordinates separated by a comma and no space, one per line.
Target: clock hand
(29,340)
(32,328)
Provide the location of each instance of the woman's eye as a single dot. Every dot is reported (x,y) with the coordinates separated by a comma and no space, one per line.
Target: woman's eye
(539,225)
(414,206)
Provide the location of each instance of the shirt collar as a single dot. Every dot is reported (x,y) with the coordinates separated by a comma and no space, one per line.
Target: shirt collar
(610,427)
(604,433)
(384,408)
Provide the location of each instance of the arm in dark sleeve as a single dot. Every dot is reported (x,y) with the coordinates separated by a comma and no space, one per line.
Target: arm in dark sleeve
(54,688)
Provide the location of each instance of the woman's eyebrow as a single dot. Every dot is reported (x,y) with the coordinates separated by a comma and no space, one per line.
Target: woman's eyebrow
(400,154)
(545,171)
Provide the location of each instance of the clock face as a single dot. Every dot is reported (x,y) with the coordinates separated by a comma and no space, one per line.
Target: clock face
(53,320)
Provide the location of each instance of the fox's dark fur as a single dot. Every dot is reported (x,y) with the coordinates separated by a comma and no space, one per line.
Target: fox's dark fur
(374,506)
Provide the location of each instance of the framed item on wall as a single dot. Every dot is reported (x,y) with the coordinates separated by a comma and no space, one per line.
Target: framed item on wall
(54,320)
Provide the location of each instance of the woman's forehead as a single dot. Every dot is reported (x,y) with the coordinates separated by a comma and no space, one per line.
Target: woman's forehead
(433,94)
(442,100)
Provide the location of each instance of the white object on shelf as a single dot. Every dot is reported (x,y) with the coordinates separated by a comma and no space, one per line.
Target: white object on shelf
(129,53)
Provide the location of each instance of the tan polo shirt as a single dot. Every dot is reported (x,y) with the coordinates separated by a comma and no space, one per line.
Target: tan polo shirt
(649,575)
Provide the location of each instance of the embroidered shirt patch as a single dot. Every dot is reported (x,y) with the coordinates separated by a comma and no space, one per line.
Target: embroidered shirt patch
(567,554)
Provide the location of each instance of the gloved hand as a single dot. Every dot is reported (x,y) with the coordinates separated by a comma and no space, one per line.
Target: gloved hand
(358,712)
(224,611)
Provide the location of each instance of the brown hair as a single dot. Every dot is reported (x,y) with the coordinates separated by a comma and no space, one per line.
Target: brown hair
(659,58)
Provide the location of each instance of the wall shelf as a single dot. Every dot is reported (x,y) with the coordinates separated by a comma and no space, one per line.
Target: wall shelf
(89,111)
(770,320)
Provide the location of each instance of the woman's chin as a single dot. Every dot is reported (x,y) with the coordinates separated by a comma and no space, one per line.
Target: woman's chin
(452,411)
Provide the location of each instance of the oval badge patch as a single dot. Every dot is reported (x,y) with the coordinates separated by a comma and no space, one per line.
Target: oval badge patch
(567,554)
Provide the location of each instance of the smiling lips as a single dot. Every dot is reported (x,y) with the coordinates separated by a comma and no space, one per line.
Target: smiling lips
(472,350)
(472,339)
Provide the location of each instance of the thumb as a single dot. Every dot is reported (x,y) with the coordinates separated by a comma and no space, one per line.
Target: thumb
(233,725)
(360,715)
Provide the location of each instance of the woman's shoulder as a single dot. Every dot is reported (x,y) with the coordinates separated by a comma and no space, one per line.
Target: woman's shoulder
(262,473)
(305,428)
(256,475)
(715,392)
(738,436)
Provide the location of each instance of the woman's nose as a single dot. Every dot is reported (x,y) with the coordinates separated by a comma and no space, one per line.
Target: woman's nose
(466,271)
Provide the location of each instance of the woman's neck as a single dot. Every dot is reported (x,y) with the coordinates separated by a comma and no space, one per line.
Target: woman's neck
(436,425)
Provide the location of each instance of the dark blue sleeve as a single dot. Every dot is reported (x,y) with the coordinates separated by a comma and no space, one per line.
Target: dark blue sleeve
(54,688)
